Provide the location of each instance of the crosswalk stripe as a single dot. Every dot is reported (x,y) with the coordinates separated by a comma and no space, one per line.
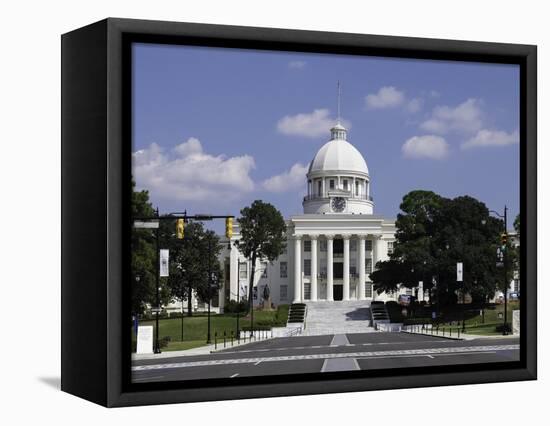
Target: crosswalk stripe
(455,349)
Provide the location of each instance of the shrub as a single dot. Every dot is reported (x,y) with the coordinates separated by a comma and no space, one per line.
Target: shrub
(501,327)
(163,341)
(234,307)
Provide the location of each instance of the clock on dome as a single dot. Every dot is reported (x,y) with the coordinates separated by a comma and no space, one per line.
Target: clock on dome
(338,204)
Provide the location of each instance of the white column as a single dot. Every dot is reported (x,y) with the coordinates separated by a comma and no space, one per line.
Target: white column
(324,187)
(361,287)
(297,269)
(330,240)
(346,267)
(313,267)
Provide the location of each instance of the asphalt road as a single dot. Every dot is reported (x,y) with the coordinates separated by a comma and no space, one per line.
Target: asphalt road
(314,354)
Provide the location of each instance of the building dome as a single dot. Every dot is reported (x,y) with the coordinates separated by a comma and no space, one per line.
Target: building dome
(338,155)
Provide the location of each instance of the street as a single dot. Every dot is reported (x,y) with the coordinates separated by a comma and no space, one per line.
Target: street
(313,354)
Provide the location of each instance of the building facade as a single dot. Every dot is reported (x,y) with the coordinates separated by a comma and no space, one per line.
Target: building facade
(332,247)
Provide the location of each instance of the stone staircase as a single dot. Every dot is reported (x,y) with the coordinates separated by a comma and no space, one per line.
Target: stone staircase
(338,318)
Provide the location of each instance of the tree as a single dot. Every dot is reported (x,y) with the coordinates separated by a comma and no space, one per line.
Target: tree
(412,259)
(192,261)
(433,234)
(262,230)
(143,255)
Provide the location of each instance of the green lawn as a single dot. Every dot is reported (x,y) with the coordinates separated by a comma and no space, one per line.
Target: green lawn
(475,323)
(195,327)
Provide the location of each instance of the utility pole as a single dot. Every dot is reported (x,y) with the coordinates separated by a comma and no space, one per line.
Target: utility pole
(505,328)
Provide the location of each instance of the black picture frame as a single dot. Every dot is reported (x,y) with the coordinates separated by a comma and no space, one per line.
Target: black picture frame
(96,148)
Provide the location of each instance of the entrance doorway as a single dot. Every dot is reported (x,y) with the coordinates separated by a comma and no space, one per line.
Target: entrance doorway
(338,292)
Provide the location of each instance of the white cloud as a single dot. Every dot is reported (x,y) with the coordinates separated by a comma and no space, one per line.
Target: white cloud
(311,125)
(491,138)
(188,173)
(288,180)
(297,65)
(466,117)
(428,146)
(414,105)
(387,97)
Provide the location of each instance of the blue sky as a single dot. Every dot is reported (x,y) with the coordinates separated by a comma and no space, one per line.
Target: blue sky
(215,129)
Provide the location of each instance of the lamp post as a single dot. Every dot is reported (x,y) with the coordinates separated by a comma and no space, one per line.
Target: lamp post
(157,281)
(208,340)
(504,251)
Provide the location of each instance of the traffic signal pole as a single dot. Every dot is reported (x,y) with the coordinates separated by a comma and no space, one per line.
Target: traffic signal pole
(181,218)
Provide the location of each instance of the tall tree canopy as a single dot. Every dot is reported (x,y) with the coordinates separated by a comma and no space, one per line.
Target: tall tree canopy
(263,236)
(143,255)
(191,261)
(433,234)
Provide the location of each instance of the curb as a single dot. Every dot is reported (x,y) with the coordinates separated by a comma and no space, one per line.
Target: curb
(433,335)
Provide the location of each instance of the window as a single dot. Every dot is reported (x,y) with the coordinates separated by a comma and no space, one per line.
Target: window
(353,245)
(368,245)
(323,245)
(368,290)
(283,269)
(283,292)
(368,266)
(307,245)
(516,286)
(307,267)
(319,188)
(323,270)
(345,184)
(285,249)
(331,184)
(356,188)
(408,291)
(263,265)
(353,266)
(390,247)
(243,271)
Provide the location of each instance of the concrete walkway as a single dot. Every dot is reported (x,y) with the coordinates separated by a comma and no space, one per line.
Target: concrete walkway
(339,317)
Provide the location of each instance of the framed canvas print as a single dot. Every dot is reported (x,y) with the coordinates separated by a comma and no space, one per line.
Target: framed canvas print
(254,212)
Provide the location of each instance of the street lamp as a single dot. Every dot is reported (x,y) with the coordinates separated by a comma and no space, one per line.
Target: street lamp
(505,263)
(157,309)
(208,340)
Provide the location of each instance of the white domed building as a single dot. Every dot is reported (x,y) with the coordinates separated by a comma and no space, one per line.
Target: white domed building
(332,246)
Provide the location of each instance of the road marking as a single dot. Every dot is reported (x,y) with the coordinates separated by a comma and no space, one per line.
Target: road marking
(339,340)
(297,348)
(258,362)
(430,356)
(372,354)
(137,379)
(340,364)
(234,375)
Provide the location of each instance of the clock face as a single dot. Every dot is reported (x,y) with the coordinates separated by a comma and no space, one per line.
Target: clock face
(338,204)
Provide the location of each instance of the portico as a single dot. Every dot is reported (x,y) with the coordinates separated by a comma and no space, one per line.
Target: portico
(334,266)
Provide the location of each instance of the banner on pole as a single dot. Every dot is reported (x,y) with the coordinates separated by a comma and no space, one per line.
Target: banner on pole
(459,271)
(164,262)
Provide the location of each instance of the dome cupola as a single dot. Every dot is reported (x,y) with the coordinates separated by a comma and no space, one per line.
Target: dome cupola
(338,178)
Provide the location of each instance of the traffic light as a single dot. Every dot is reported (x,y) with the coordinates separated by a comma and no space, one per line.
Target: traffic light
(229,227)
(504,238)
(180,229)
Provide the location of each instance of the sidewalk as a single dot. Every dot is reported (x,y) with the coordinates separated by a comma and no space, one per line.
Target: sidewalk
(456,336)
(201,350)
